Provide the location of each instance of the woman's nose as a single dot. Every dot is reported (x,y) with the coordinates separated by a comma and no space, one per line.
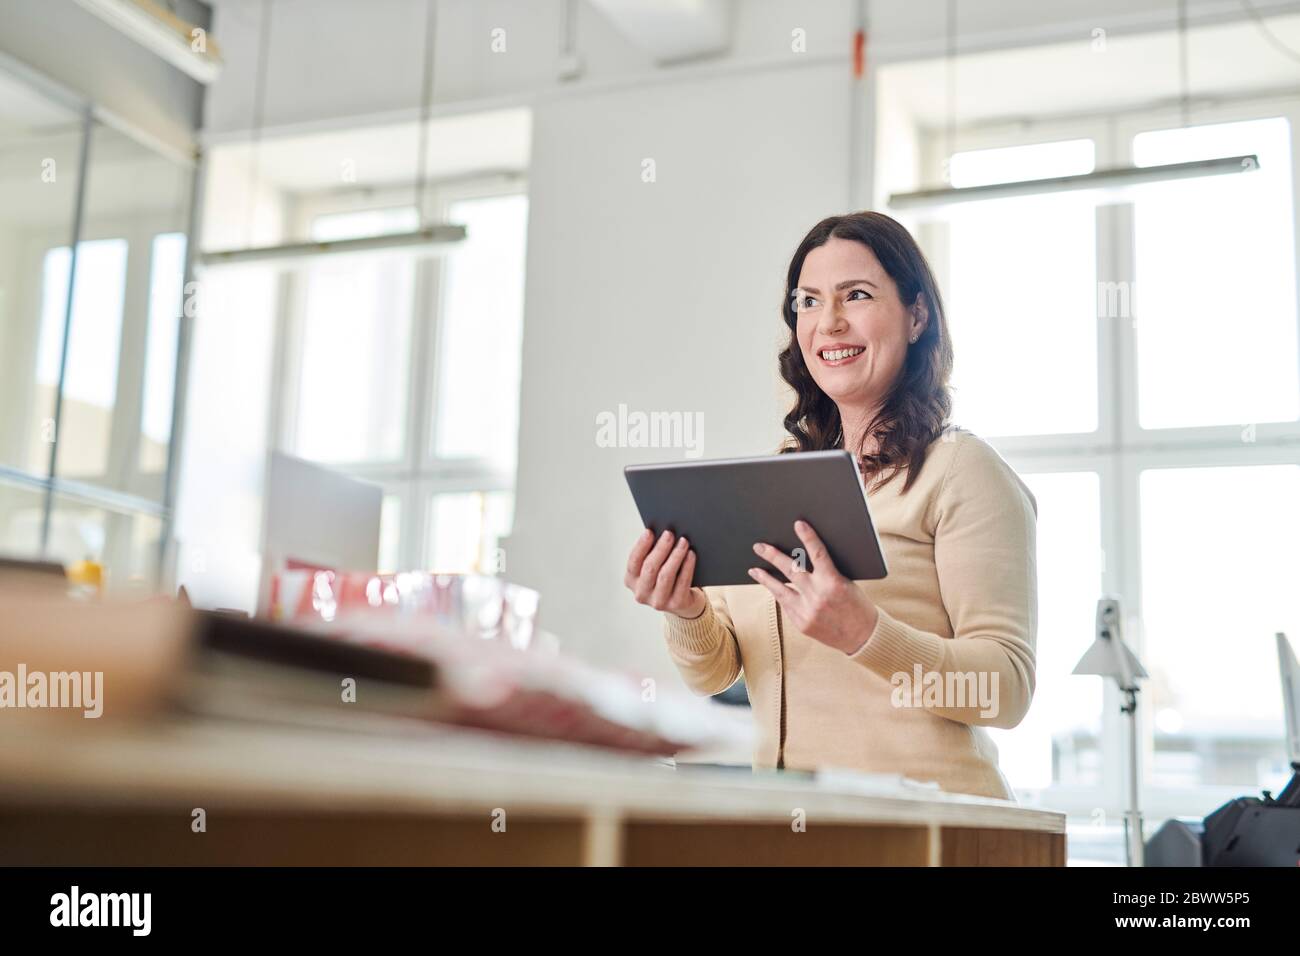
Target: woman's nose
(832,321)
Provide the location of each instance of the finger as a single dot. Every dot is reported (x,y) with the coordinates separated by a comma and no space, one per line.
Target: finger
(682,590)
(644,542)
(645,581)
(779,559)
(779,590)
(822,565)
(667,578)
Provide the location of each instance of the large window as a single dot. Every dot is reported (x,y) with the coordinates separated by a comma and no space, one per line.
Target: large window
(1134,355)
(405,372)
(355,346)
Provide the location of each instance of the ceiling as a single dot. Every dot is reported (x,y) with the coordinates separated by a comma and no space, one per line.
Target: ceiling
(1129,70)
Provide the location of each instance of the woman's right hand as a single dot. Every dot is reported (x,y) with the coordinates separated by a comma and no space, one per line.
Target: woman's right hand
(659,574)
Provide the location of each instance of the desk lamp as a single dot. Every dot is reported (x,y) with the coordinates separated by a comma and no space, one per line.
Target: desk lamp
(1110,657)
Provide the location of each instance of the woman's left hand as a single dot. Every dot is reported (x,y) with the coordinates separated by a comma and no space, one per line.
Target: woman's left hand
(821,603)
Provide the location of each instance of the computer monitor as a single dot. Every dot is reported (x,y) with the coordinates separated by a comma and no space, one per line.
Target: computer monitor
(316,517)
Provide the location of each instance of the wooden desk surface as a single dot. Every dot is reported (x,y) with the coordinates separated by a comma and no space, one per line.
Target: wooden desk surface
(95,793)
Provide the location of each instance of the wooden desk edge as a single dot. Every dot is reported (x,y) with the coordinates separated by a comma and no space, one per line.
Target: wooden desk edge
(615,803)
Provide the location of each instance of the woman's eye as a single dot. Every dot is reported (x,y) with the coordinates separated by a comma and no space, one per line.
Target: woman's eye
(803,303)
(861,293)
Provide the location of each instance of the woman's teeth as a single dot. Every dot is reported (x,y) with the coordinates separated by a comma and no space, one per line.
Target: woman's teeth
(834,355)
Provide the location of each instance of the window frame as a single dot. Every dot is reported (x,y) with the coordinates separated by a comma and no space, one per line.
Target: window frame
(417,475)
(1121,449)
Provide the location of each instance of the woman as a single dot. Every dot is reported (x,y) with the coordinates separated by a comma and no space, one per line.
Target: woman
(899,675)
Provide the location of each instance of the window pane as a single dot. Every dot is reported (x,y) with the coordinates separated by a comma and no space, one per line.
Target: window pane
(90,379)
(465,531)
(1059,740)
(477,406)
(983,167)
(390,535)
(1236,326)
(21,510)
(1214,591)
(356,346)
(166,282)
(364,222)
(1021,305)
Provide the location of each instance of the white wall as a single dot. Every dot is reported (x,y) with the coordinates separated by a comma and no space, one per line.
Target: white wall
(663,296)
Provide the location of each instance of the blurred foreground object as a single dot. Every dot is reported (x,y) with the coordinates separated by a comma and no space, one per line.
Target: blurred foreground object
(160,658)
(403,609)
(336,745)
(15,565)
(56,651)
(87,577)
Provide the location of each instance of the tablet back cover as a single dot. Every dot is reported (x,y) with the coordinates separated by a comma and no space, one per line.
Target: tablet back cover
(723,507)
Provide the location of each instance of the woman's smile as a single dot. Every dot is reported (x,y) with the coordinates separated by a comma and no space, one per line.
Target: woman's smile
(837,354)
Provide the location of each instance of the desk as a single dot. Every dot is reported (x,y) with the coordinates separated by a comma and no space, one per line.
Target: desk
(91,793)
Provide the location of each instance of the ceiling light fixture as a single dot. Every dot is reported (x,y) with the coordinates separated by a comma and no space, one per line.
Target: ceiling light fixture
(1118,177)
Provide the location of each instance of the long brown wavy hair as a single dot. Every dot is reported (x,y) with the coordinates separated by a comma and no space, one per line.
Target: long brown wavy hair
(916,408)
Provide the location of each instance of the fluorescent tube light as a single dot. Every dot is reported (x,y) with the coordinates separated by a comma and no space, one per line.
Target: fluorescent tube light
(429,241)
(1099,179)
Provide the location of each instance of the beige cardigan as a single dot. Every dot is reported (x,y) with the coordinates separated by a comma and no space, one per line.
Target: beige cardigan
(959,603)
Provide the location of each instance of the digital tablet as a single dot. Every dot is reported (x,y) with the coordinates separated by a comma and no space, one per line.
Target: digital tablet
(723,507)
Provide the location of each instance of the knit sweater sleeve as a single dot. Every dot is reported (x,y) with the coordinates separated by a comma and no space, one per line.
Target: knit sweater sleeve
(984,554)
(704,648)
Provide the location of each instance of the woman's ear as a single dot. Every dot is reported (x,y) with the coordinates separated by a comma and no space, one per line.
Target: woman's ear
(920,318)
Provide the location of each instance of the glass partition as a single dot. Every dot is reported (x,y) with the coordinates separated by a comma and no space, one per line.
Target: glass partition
(40,153)
(93,228)
(126,305)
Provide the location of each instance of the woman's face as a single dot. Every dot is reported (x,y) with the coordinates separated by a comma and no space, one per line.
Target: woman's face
(852,327)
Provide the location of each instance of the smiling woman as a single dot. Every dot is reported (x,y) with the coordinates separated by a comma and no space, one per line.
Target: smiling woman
(899,675)
(870,357)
